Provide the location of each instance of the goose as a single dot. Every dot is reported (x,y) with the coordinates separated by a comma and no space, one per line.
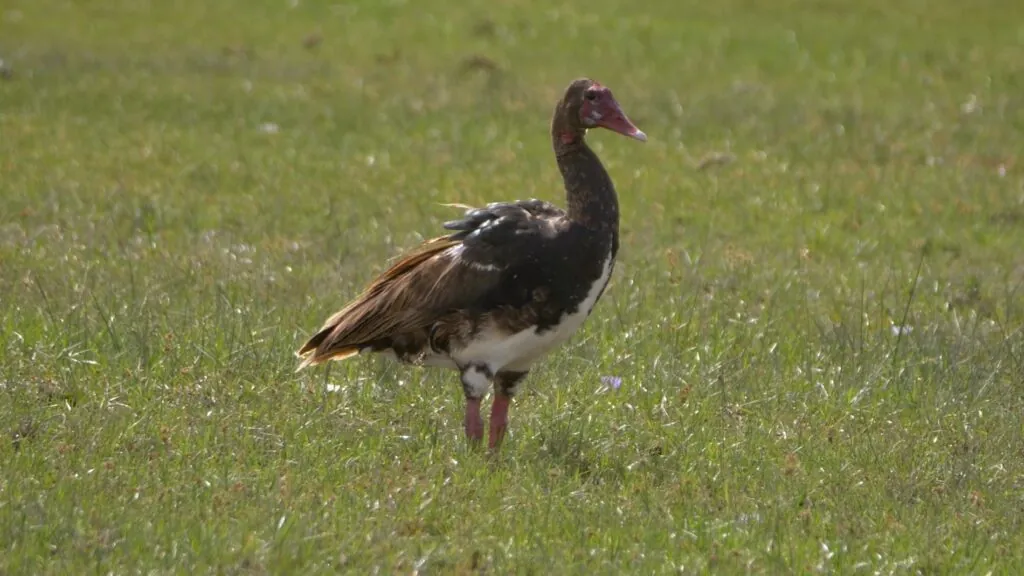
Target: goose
(509,283)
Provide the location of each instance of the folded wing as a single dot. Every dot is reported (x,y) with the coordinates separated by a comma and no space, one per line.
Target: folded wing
(462,271)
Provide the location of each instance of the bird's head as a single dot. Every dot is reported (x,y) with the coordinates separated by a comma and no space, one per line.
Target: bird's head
(587,104)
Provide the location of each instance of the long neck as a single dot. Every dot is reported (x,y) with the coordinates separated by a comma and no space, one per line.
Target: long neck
(589,192)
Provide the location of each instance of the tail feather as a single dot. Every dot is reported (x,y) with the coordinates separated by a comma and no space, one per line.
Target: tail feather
(384,309)
(312,358)
(314,341)
(314,352)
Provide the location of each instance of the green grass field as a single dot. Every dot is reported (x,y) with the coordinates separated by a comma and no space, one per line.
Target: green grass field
(817,315)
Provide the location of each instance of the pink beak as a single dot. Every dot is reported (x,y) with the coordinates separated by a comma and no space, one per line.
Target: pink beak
(614,119)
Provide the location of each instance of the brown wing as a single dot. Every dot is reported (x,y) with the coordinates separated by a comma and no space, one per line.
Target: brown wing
(445,274)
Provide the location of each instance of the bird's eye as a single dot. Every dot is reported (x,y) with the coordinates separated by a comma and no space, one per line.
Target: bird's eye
(591,95)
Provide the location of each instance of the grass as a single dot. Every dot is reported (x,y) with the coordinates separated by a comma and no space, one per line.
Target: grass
(817,313)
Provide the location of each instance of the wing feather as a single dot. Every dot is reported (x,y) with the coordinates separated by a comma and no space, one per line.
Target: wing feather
(441,276)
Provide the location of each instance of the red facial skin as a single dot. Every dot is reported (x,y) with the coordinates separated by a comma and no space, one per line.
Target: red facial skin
(601,110)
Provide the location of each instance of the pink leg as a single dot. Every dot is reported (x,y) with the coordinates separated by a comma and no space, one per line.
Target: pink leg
(499,419)
(474,424)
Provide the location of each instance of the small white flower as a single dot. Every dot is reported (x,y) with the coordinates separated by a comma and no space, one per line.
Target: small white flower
(897,330)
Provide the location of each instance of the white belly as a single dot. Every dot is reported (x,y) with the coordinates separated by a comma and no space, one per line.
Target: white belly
(518,351)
